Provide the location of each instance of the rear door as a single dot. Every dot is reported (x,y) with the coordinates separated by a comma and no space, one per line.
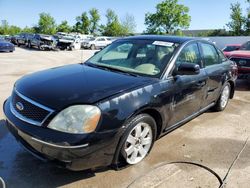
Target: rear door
(214,69)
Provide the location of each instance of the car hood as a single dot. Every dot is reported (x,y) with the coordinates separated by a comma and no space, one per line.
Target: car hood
(61,87)
(239,53)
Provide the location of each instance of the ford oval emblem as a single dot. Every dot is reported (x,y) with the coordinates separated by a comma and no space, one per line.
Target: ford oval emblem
(19,106)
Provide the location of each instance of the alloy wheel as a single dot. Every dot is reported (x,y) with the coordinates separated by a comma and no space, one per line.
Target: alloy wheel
(138,143)
(225,96)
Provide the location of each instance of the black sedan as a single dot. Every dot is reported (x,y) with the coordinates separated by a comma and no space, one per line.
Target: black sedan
(6,46)
(112,108)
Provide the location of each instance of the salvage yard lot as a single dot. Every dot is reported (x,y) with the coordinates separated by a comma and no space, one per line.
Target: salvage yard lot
(212,140)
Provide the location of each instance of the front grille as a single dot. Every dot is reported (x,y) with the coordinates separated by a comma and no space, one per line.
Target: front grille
(242,62)
(31,111)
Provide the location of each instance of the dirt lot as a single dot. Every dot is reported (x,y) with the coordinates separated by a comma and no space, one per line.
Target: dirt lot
(213,140)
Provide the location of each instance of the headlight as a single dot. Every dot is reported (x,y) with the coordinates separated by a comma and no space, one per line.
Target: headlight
(76,119)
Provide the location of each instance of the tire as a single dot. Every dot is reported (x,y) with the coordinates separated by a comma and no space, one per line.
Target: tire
(92,47)
(223,99)
(29,45)
(138,139)
(39,47)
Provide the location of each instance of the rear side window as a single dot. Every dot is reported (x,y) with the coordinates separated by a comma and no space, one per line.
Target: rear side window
(210,54)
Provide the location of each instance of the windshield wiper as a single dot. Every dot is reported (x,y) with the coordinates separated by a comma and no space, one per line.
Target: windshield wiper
(111,69)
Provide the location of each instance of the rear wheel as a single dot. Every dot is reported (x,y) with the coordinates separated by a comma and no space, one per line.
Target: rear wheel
(224,98)
(138,138)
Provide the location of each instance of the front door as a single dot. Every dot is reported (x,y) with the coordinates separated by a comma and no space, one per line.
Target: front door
(189,89)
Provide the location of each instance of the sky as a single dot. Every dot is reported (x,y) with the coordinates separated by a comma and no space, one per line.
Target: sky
(205,14)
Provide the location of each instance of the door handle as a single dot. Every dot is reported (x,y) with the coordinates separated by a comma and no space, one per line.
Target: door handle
(200,83)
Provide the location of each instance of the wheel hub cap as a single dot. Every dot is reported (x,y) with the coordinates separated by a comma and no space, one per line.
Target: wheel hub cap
(138,143)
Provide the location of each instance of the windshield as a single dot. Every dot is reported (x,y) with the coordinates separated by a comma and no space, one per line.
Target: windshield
(142,57)
(245,46)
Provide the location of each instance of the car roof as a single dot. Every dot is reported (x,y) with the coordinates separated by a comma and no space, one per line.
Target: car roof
(174,39)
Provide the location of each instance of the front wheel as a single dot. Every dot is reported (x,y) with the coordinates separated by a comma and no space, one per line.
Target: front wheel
(138,139)
(223,99)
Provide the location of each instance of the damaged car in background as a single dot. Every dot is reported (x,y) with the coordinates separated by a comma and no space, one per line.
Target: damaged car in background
(111,109)
(242,58)
(68,42)
(42,42)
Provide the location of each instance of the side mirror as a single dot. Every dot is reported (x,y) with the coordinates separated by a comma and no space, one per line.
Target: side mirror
(187,69)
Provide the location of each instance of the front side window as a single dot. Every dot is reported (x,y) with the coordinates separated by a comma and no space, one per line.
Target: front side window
(142,57)
(210,54)
(221,56)
(190,54)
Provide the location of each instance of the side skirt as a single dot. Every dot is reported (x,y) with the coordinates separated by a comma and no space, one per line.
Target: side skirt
(182,122)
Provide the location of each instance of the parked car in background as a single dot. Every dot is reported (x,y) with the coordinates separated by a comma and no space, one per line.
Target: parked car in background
(245,46)
(230,47)
(112,108)
(23,38)
(13,39)
(6,46)
(97,43)
(242,59)
(42,42)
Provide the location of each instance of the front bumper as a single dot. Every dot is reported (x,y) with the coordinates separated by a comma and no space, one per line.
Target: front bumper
(7,48)
(75,152)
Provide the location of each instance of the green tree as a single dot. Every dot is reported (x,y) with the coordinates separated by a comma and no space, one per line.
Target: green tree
(247,21)
(64,27)
(94,19)
(113,26)
(82,24)
(13,30)
(237,19)
(6,29)
(28,30)
(170,16)
(46,24)
(128,24)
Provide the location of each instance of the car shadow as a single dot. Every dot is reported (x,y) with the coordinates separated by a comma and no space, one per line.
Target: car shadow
(242,85)
(35,49)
